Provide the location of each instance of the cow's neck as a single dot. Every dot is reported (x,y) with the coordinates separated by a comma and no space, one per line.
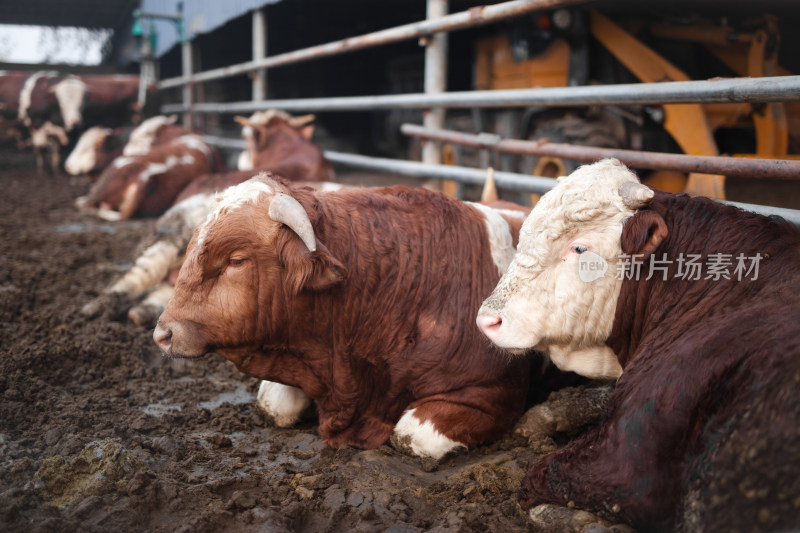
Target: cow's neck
(697,226)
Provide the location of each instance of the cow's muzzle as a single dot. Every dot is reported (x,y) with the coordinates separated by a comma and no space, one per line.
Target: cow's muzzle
(177,340)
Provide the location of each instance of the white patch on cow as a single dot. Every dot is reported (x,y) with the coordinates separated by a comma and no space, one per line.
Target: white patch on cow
(596,362)
(329,186)
(154,169)
(150,268)
(231,199)
(120,162)
(26,93)
(541,301)
(142,137)
(244,161)
(425,439)
(47,135)
(83,157)
(283,403)
(108,214)
(196,143)
(501,242)
(69,94)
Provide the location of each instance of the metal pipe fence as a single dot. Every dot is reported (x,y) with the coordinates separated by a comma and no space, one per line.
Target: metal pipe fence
(734,90)
(456,21)
(729,166)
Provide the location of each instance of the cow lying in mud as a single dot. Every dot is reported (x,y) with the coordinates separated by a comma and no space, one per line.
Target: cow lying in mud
(362,300)
(704,424)
(148,184)
(144,290)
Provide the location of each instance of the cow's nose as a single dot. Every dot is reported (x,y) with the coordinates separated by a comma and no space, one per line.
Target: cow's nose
(163,337)
(489,325)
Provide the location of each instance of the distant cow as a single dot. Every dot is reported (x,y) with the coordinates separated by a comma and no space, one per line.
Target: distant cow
(153,131)
(281,144)
(365,300)
(95,149)
(148,184)
(89,101)
(704,423)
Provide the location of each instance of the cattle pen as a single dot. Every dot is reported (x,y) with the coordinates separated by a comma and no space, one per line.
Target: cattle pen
(424,101)
(706,171)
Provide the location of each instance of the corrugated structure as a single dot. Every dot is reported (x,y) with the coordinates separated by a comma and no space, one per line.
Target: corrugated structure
(199,16)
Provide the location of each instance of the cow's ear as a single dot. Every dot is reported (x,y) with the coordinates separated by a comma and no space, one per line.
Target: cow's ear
(307,132)
(643,233)
(328,271)
(305,270)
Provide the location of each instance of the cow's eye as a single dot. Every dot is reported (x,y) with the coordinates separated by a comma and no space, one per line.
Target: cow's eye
(236,261)
(579,248)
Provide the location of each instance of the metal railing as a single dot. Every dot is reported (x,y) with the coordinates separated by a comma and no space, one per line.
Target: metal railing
(733,90)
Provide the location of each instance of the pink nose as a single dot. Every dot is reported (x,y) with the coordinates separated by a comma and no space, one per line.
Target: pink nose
(163,337)
(489,325)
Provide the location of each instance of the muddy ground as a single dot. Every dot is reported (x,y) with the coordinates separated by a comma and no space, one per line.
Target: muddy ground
(99,432)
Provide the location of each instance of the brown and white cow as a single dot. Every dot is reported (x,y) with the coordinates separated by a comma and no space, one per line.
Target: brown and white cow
(153,131)
(364,300)
(96,148)
(704,422)
(148,184)
(281,144)
(143,291)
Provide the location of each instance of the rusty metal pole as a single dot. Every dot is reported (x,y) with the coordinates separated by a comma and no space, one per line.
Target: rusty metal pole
(187,59)
(259,53)
(435,83)
(702,164)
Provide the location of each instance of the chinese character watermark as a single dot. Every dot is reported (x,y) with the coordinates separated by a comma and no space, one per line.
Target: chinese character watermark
(689,267)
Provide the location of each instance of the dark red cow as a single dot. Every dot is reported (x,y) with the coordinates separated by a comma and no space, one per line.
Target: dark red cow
(361,299)
(704,423)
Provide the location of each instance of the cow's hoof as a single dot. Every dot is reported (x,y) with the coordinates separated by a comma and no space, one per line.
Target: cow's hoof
(549,518)
(111,305)
(285,405)
(568,411)
(144,315)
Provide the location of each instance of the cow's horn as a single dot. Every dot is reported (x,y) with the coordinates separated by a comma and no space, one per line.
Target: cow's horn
(244,121)
(299,122)
(635,195)
(286,210)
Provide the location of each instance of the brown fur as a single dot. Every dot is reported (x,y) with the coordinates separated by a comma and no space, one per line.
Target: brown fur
(286,151)
(700,358)
(380,319)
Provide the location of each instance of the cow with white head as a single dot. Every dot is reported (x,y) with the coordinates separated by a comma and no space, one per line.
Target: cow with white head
(703,425)
(559,294)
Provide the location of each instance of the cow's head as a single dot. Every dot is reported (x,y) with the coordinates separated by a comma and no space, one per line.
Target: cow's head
(84,157)
(248,271)
(560,292)
(142,137)
(70,94)
(261,127)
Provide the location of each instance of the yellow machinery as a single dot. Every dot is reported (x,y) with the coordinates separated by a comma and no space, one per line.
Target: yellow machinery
(692,127)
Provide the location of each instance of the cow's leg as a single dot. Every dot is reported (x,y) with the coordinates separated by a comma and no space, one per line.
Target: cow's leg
(283,403)
(146,312)
(435,428)
(628,466)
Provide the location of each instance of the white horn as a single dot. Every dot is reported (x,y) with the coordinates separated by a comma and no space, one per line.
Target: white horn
(635,195)
(286,210)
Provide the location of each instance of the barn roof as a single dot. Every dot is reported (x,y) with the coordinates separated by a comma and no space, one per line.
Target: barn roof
(94,14)
(199,16)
